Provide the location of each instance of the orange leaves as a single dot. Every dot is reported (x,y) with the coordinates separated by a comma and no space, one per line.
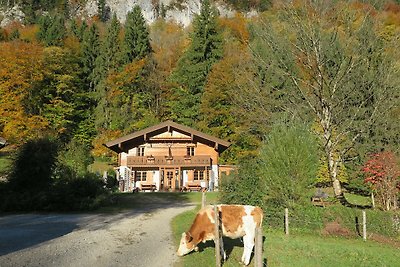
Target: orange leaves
(168,43)
(99,150)
(237,26)
(127,78)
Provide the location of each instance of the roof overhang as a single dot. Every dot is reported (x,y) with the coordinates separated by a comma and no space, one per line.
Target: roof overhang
(123,144)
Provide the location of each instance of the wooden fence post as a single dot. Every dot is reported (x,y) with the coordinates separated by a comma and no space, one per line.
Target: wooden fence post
(217,238)
(203,200)
(364,222)
(287,221)
(373,200)
(258,249)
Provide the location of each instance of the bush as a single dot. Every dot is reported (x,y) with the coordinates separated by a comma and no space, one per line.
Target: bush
(76,194)
(44,180)
(244,187)
(288,164)
(33,166)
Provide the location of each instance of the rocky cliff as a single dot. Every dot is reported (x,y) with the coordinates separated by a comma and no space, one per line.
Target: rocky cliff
(180,11)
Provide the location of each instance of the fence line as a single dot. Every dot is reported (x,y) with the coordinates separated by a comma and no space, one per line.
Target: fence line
(358,223)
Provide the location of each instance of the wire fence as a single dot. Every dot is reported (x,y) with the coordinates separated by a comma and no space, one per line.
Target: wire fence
(337,221)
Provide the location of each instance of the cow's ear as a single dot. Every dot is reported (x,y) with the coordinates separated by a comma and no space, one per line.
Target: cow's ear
(202,235)
(189,237)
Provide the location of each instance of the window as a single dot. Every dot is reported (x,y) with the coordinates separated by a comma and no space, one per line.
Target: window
(140,151)
(190,151)
(198,175)
(141,176)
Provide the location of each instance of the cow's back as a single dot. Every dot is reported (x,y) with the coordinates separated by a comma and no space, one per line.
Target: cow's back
(238,219)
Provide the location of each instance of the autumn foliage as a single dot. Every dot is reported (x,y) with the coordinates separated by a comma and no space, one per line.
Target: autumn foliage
(382,172)
(20,66)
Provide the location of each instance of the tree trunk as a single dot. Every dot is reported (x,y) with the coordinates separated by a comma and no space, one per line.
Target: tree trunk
(329,150)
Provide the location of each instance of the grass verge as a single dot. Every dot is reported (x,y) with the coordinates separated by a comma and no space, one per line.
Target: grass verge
(300,249)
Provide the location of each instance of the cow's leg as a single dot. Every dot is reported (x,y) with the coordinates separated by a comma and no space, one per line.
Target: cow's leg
(248,243)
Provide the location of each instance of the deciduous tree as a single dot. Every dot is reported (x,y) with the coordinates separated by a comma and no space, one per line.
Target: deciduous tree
(335,70)
(382,172)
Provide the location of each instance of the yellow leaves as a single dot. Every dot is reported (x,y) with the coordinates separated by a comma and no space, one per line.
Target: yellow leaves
(105,135)
(20,67)
(22,127)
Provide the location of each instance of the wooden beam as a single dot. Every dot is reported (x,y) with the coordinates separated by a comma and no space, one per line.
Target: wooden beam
(216,146)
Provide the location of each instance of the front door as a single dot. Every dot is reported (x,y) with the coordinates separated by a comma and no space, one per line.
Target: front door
(171,179)
(170,182)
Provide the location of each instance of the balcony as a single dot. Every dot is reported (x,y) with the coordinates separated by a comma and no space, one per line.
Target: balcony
(165,161)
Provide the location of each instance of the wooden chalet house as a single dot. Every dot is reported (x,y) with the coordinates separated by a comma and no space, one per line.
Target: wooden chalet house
(168,157)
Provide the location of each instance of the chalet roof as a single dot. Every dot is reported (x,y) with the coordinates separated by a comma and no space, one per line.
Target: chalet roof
(123,144)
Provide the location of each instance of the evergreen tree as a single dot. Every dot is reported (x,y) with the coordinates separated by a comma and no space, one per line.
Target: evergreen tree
(204,51)
(193,68)
(52,30)
(109,51)
(136,43)
(107,61)
(103,10)
(81,30)
(90,52)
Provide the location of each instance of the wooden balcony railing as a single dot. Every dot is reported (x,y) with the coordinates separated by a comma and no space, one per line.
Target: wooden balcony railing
(148,161)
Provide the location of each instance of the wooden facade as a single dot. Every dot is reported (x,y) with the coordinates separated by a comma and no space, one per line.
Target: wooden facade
(168,157)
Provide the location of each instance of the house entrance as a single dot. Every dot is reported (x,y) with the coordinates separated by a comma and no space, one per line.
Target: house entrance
(170,179)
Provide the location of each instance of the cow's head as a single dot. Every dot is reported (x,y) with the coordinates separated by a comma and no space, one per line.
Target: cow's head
(186,245)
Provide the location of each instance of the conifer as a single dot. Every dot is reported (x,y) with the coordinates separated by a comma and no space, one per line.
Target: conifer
(136,43)
(90,52)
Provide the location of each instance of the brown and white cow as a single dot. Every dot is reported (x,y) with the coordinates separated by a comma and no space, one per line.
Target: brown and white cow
(237,221)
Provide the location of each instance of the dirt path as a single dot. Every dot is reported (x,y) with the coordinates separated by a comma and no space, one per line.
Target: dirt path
(137,238)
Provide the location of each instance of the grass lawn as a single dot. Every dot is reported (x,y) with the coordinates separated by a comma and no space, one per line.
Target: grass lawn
(358,200)
(293,250)
(5,162)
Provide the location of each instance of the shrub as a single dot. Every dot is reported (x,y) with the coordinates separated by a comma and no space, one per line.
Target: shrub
(288,164)
(33,166)
(243,187)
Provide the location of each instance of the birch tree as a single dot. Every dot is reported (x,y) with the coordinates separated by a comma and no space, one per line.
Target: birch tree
(331,67)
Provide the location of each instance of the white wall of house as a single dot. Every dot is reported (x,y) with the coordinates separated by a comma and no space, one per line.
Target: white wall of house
(214,176)
(157,179)
(185,177)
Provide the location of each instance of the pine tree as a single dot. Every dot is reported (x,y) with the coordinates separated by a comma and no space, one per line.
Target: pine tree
(194,66)
(204,51)
(136,43)
(90,52)
(103,10)
(52,30)
(107,61)
(81,30)
(109,51)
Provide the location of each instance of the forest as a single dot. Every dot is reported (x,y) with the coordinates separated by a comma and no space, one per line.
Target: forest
(307,91)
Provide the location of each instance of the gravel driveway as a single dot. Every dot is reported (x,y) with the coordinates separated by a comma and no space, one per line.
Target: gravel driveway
(136,238)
